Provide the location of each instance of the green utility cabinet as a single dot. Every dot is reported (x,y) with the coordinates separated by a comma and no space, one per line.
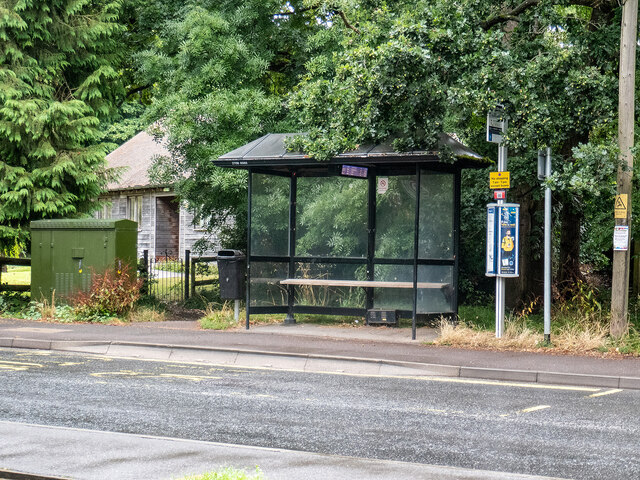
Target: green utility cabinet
(65,253)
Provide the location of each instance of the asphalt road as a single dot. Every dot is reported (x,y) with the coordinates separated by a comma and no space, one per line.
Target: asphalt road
(585,433)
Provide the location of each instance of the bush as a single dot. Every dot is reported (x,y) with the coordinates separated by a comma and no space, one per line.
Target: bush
(112,293)
(13,303)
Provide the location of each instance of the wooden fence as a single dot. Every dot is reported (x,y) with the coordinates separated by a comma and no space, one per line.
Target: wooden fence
(4,287)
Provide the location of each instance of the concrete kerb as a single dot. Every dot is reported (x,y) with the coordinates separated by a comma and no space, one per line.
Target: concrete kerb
(317,363)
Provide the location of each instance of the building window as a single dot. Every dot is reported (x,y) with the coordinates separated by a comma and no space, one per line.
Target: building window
(104,212)
(134,209)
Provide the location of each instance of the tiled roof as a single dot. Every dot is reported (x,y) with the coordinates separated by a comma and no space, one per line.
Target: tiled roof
(133,159)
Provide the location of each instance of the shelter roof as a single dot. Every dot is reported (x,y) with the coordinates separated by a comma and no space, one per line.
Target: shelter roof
(270,151)
(133,159)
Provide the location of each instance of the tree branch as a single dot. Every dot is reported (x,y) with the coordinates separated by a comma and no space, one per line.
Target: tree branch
(509,15)
(512,15)
(340,13)
(137,89)
(346,21)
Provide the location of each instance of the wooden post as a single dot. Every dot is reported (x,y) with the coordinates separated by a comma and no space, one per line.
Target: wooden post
(626,118)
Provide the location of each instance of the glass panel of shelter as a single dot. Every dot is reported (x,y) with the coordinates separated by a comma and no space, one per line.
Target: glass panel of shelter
(331,223)
(269,215)
(331,217)
(331,296)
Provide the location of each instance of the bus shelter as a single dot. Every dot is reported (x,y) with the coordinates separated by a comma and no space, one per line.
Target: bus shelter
(370,230)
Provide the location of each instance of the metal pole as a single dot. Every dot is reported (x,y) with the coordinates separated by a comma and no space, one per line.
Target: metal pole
(416,239)
(248,288)
(236,310)
(291,292)
(547,252)
(500,287)
(187,275)
(145,273)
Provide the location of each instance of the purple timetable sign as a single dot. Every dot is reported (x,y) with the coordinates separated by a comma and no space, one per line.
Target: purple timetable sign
(353,171)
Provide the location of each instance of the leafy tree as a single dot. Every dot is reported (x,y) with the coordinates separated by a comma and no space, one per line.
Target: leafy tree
(58,78)
(220,72)
(416,68)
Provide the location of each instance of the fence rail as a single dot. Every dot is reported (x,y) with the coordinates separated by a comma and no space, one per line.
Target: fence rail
(4,287)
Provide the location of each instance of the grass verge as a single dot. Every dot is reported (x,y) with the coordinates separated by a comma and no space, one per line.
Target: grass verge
(228,473)
(573,331)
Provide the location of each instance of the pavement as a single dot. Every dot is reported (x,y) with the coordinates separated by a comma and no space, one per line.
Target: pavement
(366,350)
(93,455)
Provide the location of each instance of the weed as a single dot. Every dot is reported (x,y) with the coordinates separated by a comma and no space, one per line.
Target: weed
(228,473)
(221,319)
(150,301)
(203,298)
(578,327)
(48,310)
(583,298)
(476,316)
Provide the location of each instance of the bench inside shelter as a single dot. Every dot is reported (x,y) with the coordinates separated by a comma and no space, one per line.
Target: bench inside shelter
(371,229)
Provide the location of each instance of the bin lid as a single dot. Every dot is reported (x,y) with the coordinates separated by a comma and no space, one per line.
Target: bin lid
(84,224)
(230,253)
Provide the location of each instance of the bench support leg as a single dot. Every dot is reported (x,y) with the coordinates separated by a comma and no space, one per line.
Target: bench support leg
(289,319)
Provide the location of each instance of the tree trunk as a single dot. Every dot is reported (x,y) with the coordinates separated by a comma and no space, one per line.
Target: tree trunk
(526,288)
(569,262)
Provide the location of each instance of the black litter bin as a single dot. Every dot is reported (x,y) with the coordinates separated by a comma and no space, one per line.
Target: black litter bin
(232,266)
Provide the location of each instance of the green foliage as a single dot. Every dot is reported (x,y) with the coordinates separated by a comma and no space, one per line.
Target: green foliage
(477,316)
(111,294)
(12,304)
(418,68)
(58,78)
(127,124)
(583,299)
(218,74)
(221,70)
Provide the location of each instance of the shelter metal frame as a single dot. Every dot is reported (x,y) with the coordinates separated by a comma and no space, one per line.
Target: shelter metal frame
(379,161)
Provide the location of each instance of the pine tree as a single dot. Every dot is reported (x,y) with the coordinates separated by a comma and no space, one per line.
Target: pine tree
(58,79)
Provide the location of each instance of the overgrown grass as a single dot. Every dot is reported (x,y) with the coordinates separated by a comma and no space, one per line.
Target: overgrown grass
(228,473)
(577,327)
(146,314)
(219,319)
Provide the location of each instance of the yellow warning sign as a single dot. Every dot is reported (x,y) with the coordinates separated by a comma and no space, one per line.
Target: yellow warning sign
(499,180)
(621,206)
